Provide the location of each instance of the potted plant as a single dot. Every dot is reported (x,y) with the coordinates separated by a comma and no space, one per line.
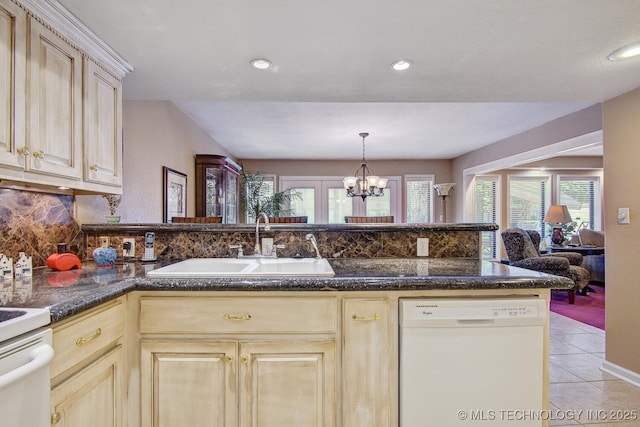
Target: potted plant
(113,201)
(257,195)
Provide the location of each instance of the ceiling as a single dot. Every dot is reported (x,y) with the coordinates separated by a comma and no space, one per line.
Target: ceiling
(482,70)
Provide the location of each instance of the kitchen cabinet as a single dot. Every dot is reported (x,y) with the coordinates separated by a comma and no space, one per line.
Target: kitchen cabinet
(367,362)
(54,105)
(13,36)
(60,101)
(238,361)
(217,187)
(102,125)
(87,371)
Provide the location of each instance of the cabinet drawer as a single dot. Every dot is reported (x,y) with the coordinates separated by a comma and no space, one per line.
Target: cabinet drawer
(185,315)
(80,337)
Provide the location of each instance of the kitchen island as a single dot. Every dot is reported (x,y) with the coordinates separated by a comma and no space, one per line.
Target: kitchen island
(68,293)
(247,351)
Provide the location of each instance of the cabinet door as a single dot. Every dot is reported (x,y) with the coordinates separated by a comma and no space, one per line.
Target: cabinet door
(54,104)
(367,363)
(188,383)
(13,24)
(287,384)
(93,396)
(103,126)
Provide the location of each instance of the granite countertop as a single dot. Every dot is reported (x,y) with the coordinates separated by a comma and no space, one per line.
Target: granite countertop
(67,293)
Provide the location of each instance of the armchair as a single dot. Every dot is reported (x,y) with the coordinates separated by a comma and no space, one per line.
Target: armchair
(522,250)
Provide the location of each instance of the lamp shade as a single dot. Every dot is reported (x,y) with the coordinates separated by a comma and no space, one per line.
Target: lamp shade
(557,213)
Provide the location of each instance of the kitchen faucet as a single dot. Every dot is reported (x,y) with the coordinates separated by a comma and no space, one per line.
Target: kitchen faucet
(258,251)
(312,238)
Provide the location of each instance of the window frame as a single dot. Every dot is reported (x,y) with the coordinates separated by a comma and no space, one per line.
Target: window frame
(547,178)
(322,183)
(496,179)
(598,205)
(413,178)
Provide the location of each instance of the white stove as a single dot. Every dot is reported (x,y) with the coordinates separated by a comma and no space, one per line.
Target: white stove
(18,321)
(25,354)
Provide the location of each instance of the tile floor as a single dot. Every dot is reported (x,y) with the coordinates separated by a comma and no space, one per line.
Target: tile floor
(580,393)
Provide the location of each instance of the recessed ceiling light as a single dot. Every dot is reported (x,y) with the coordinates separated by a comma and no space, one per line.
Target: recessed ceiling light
(261,64)
(401,65)
(625,52)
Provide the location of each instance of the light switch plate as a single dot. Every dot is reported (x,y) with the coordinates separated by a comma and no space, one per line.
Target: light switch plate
(623,215)
(423,246)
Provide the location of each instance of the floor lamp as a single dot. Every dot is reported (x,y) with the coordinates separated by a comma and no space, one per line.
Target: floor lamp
(443,191)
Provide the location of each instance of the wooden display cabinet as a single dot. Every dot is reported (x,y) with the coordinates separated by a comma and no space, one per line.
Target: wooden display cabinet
(217,187)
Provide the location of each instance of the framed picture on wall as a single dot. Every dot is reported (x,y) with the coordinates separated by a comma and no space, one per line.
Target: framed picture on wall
(175,194)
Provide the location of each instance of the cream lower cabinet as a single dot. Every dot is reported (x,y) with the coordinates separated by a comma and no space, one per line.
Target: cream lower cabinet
(92,397)
(368,372)
(275,383)
(238,361)
(88,369)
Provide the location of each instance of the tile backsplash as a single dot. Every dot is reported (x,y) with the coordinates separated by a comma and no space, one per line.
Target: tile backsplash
(34,223)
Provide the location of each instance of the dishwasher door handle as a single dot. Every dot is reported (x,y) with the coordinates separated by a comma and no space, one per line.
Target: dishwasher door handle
(41,357)
(470,322)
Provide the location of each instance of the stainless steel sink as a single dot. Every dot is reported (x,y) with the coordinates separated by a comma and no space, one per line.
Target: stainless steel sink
(244,267)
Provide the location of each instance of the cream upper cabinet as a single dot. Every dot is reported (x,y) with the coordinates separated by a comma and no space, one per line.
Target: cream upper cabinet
(102,126)
(368,356)
(60,100)
(54,104)
(13,35)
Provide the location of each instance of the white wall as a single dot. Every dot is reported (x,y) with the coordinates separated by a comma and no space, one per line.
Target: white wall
(156,134)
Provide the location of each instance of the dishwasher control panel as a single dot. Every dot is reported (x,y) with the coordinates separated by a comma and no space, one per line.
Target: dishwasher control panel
(455,311)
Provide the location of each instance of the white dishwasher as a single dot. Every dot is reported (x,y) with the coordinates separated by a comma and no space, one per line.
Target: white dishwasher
(472,361)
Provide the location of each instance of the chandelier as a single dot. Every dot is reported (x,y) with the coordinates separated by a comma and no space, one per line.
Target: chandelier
(364,183)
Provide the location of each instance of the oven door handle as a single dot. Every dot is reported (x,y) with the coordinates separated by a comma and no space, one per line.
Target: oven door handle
(40,357)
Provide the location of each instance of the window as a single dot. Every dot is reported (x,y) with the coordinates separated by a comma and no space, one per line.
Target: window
(528,201)
(419,191)
(265,185)
(581,195)
(485,211)
(339,205)
(305,205)
(324,199)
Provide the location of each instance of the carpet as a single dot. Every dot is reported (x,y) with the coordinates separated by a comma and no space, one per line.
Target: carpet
(588,308)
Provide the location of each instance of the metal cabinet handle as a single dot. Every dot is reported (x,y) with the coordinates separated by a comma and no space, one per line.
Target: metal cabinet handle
(244,359)
(23,151)
(38,154)
(358,318)
(228,316)
(229,359)
(94,168)
(82,341)
(55,418)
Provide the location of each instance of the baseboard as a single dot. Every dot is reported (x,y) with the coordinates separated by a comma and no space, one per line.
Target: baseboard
(622,373)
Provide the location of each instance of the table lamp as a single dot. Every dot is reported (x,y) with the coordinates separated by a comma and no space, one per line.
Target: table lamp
(557,214)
